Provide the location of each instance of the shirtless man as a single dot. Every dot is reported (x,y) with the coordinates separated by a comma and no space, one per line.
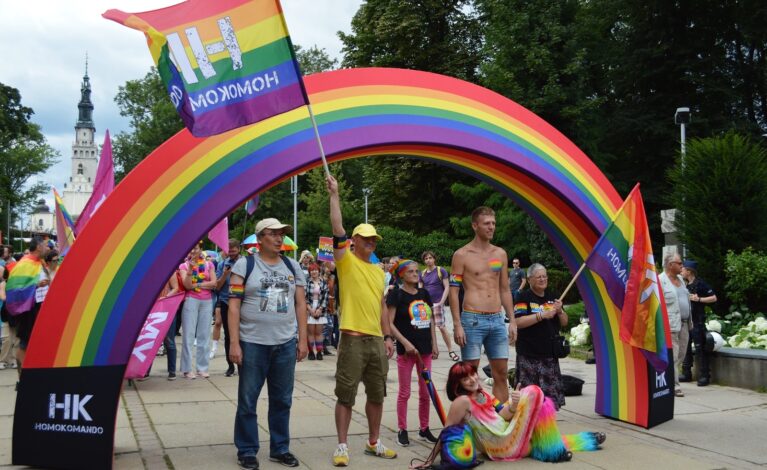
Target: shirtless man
(482,269)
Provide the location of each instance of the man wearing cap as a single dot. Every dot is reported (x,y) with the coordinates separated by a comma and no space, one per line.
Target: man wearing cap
(365,345)
(700,293)
(267,304)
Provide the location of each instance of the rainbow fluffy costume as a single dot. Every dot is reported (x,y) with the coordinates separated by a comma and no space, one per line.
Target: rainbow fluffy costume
(22,283)
(532,431)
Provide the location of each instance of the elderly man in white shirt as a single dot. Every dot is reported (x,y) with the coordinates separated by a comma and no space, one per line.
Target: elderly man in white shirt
(678,306)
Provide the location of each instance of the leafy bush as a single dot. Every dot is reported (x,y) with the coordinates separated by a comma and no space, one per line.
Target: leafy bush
(558,280)
(751,336)
(409,245)
(746,275)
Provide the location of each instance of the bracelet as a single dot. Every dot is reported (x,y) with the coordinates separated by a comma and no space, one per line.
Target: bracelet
(388,337)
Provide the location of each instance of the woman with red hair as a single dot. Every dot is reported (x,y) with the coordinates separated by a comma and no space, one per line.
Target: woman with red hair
(524,426)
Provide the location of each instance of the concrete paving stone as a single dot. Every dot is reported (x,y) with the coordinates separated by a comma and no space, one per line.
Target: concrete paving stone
(125,440)
(6,427)
(199,434)
(6,444)
(189,413)
(129,461)
(198,390)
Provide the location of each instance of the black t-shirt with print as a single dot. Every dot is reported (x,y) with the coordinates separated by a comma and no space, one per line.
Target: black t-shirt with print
(535,341)
(412,317)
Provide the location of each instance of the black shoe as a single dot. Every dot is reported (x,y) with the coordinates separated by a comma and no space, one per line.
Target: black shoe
(319,355)
(171,376)
(229,372)
(312,356)
(685,377)
(402,438)
(426,435)
(287,459)
(327,352)
(591,360)
(248,462)
(702,382)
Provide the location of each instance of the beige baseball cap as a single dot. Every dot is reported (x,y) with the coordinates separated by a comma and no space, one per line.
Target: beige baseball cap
(272,224)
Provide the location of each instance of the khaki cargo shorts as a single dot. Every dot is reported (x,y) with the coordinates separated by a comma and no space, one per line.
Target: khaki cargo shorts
(361,358)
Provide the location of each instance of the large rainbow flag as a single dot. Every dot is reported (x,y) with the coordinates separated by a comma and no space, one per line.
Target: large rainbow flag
(226,63)
(624,260)
(21,285)
(65,227)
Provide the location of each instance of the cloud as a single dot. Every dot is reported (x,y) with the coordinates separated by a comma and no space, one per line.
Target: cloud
(43,46)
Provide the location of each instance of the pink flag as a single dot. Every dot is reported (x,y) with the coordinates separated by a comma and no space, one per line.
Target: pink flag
(152,335)
(103,186)
(220,234)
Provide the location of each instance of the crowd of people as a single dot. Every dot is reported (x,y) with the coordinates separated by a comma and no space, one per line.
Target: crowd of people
(275,311)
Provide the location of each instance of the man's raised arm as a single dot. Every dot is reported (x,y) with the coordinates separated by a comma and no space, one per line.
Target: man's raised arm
(336,220)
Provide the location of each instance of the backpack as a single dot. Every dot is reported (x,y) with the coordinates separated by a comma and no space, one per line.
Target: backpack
(439,273)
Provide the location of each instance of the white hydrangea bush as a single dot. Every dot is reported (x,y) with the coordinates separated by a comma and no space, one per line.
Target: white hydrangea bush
(751,336)
(580,335)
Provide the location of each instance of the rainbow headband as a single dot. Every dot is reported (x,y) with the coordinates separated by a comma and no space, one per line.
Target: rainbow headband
(401,266)
(177,193)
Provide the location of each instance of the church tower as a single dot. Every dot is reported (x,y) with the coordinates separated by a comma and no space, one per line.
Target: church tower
(84,153)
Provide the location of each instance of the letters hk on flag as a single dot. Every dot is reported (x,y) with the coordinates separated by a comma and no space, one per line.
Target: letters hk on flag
(152,335)
(225,63)
(623,259)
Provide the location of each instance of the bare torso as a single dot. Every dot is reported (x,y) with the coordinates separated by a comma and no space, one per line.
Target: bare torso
(482,268)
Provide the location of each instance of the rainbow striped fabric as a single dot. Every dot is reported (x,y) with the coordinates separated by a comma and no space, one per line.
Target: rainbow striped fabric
(65,227)
(225,64)
(21,285)
(623,258)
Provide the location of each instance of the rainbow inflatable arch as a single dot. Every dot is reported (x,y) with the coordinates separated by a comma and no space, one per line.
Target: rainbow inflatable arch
(94,311)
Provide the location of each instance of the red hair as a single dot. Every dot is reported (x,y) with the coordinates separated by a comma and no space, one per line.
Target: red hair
(459,371)
(313,266)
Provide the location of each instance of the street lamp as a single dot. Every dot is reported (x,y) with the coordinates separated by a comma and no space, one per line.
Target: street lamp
(366,192)
(682,117)
(294,190)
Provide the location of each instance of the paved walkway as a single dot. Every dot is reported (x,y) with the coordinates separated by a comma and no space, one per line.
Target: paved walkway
(188,424)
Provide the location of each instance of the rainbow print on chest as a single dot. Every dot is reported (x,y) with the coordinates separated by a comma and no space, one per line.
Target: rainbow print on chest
(495,264)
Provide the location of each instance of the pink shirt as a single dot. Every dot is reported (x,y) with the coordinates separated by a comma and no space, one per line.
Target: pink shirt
(203,294)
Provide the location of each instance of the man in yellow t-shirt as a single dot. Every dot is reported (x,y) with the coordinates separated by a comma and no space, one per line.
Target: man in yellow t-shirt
(365,345)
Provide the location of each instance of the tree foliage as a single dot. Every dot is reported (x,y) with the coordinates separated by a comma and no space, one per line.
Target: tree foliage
(720,192)
(24,153)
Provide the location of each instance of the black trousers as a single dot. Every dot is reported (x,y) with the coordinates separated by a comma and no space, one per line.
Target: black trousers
(698,337)
(225,323)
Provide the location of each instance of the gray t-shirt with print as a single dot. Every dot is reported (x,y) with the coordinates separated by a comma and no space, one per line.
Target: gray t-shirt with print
(268,311)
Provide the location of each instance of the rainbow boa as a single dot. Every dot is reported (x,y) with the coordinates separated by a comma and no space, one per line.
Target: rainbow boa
(22,283)
(532,431)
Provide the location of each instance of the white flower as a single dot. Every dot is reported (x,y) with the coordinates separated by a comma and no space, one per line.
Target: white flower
(714,325)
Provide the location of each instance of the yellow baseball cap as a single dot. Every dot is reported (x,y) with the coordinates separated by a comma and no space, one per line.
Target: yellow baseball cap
(366,230)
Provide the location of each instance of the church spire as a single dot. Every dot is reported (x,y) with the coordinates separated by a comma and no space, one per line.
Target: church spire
(85,106)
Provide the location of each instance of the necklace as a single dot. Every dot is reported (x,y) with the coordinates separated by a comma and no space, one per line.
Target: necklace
(480,398)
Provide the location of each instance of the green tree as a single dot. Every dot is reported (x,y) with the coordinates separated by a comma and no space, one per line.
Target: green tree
(314,60)
(720,194)
(24,153)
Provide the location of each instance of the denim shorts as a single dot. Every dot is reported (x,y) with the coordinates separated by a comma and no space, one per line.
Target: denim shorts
(487,330)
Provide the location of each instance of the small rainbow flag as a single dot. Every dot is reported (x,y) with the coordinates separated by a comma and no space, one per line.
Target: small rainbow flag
(21,285)
(495,264)
(623,258)
(65,227)
(225,64)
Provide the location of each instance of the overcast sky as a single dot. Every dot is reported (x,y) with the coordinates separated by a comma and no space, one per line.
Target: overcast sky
(43,46)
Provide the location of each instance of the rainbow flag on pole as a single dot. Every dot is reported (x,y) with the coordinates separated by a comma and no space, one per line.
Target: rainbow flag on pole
(22,284)
(225,63)
(623,258)
(65,227)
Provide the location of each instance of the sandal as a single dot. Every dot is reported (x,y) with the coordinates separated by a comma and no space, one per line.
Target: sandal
(565,456)
(678,392)
(600,437)
(453,356)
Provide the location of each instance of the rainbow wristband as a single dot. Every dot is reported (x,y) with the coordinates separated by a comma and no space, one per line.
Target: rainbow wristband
(340,243)
(456,280)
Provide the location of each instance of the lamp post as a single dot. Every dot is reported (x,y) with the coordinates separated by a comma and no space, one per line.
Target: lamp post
(366,192)
(682,117)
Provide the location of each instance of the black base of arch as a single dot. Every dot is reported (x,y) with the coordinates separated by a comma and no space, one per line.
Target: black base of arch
(661,393)
(65,417)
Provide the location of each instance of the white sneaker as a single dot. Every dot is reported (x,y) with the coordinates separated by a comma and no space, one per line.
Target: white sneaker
(213,348)
(2,365)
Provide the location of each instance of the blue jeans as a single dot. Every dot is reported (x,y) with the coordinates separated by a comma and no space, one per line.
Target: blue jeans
(277,366)
(485,329)
(170,345)
(196,316)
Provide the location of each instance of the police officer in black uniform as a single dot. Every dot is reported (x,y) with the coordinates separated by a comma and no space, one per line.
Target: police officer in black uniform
(700,294)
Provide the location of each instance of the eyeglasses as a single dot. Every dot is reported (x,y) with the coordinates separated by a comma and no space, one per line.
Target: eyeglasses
(273,234)
(541,278)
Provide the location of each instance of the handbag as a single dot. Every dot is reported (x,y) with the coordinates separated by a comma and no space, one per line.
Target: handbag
(560,346)
(456,448)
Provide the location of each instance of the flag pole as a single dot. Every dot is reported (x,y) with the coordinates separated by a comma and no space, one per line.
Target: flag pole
(572,281)
(317,135)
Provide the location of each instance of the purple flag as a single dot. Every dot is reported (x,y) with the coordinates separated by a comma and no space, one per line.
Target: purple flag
(105,183)
(252,205)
